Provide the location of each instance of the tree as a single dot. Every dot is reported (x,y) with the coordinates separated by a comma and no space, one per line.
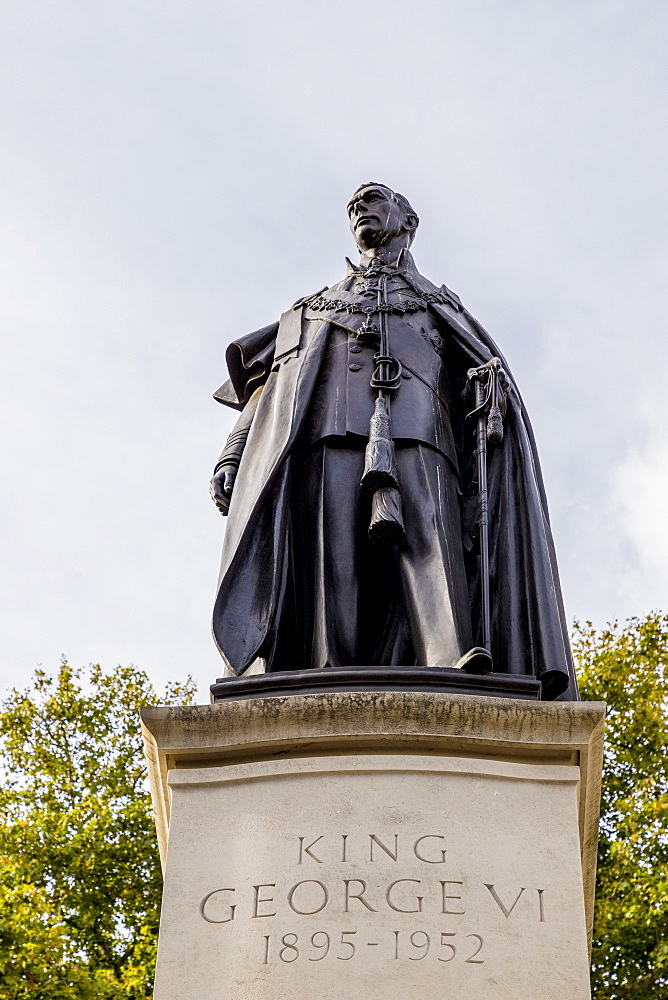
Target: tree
(80,879)
(627,666)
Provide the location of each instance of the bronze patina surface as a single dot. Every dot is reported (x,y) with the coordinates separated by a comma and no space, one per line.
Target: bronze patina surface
(383,490)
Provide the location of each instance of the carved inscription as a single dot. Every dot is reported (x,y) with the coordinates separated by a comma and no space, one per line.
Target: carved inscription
(415,946)
(423,897)
(337,849)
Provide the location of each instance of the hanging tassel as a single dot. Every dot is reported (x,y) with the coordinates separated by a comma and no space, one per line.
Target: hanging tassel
(386,526)
(380,468)
(494,425)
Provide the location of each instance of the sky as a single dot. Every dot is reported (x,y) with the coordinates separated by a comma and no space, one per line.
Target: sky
(175,174)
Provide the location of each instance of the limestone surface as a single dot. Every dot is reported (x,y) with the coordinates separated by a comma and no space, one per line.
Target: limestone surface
(442,847)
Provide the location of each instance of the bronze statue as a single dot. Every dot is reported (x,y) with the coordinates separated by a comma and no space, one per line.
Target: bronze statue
(384,497)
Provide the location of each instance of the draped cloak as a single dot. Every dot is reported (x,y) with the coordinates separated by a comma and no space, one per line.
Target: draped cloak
(529,631)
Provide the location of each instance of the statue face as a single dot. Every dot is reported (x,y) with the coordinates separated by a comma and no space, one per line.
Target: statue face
(375,217)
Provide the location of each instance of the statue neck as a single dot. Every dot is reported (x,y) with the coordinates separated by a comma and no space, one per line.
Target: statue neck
(388,252)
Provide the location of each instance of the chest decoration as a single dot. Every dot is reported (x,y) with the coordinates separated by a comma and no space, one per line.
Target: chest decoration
(366,302)
(378,292)
(362,295)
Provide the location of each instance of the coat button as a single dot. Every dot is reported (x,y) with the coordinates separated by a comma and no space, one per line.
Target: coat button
(354,368)
(355,348)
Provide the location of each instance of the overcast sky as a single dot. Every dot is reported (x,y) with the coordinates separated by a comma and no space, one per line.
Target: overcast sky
(175,174)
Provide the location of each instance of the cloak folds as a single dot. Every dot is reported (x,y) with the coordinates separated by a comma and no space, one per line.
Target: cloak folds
(529,631)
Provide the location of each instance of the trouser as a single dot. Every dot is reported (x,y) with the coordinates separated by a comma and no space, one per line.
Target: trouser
(360,604)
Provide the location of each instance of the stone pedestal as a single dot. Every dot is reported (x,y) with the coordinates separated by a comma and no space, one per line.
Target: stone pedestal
(399,845)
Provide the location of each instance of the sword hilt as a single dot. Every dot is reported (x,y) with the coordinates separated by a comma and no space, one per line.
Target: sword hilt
(492,386)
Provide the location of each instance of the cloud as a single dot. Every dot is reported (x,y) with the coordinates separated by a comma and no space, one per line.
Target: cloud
(176,174)
(638,506)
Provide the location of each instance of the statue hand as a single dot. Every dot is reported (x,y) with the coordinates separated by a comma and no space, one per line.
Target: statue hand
(221,487)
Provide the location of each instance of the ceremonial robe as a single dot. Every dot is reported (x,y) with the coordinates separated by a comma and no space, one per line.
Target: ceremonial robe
(276,379)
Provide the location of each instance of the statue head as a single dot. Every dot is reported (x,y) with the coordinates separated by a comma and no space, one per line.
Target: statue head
(379,216)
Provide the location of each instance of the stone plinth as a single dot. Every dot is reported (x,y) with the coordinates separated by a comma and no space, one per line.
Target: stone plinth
(383,845)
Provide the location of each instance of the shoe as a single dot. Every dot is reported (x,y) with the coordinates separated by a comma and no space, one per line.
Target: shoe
(477,661)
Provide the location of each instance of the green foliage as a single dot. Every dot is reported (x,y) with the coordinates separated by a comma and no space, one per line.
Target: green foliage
(80,879)
(627,666)
(79,872)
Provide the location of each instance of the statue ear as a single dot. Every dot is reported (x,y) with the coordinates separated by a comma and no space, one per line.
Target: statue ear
(411,223)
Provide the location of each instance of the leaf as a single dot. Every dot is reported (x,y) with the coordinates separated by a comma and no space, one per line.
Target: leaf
(80,881)
(626,666)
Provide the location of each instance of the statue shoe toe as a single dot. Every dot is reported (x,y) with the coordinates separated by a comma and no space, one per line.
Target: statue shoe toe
(477,661)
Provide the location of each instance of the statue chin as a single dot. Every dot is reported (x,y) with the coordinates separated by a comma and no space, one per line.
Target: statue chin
(372,238)
(369,238)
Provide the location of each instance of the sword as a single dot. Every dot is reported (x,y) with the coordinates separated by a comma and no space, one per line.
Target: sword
(491,387)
